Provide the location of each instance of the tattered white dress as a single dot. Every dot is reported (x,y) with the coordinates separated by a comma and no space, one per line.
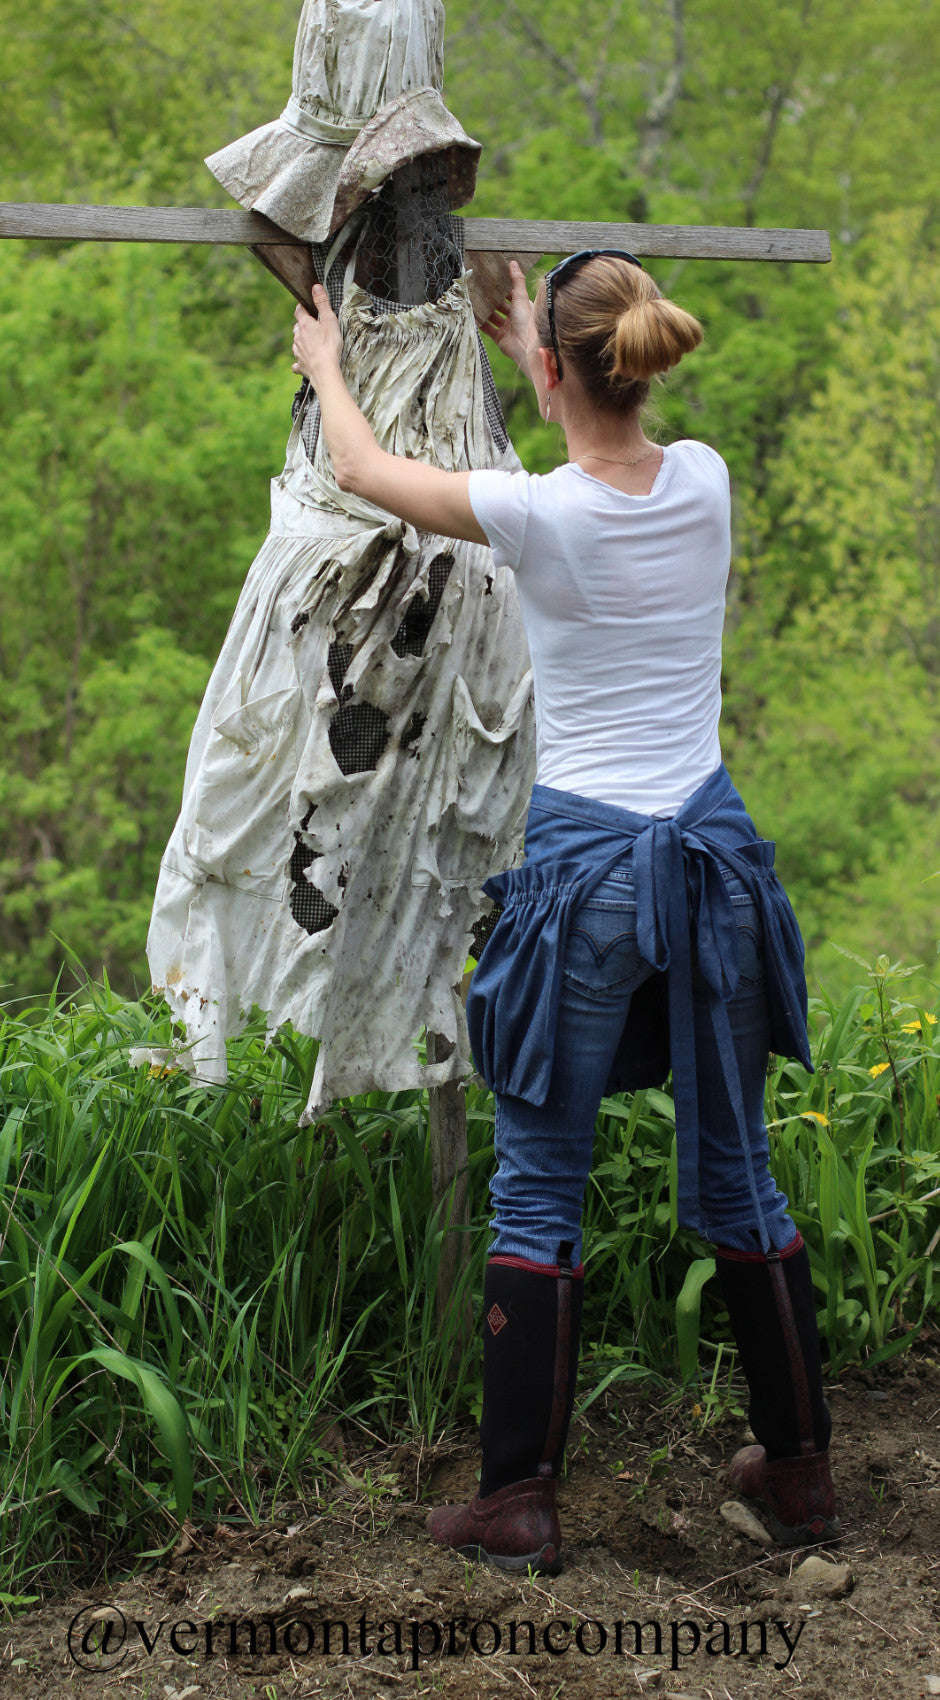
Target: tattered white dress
(364,754)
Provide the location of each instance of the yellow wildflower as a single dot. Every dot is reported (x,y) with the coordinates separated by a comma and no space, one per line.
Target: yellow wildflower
(879,1068)
(814,1116)
(915,1027)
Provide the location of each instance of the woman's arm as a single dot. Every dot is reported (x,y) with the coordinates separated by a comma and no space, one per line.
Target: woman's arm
(426,496)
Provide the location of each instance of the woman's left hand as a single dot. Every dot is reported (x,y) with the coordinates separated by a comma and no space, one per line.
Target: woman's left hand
(508,323)
(318,342)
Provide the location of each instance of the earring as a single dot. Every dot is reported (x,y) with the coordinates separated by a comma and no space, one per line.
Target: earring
(548,408)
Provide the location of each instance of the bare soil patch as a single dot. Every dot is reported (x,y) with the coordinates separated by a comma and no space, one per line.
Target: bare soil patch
(646,1548)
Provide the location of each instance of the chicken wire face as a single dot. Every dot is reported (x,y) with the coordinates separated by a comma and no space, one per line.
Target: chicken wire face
(410,251)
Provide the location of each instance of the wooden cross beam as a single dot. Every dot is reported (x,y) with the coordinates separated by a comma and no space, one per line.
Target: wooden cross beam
(486,240)
(46,220)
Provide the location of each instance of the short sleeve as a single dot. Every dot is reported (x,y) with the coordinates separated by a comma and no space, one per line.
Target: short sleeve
(708,459)
(500,502)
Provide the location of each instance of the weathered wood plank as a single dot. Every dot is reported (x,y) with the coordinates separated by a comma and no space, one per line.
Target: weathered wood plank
(411,280)
(447,1128)
(671,241)
(490,279)
(292,265)
(47,221)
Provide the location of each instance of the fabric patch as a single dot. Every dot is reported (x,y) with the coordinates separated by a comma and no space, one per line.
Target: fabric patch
(496,1320)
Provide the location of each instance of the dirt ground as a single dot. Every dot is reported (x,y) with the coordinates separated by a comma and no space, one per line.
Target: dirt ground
(647,1549)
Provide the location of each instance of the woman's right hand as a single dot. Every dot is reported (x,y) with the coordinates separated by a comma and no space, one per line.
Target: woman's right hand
(508,325)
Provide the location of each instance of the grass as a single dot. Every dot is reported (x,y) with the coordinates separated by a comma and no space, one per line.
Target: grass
(192,1287)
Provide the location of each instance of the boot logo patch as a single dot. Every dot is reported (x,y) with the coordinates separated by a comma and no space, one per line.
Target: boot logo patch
(496,1319)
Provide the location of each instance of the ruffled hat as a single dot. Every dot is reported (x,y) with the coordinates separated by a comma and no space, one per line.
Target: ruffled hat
(365,101)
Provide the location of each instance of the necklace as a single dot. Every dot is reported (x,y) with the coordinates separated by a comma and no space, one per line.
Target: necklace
(609,461)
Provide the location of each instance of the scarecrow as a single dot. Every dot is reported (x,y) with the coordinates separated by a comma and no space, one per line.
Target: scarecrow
(363,756)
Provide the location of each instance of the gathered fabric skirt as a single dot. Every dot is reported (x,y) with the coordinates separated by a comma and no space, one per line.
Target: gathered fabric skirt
(364,755)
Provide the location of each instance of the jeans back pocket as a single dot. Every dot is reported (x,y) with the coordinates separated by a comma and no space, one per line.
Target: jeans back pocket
(602,956)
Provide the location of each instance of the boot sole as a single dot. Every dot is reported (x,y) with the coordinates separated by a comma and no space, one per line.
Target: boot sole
(804,1534)
(547,1561)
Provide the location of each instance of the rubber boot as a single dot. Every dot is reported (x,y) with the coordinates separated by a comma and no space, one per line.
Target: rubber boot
(531,1334)
(773,1318)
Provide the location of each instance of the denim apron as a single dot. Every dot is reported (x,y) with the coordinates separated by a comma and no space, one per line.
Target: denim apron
(684,913)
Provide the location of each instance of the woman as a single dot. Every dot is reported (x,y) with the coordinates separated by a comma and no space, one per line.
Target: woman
(647,928)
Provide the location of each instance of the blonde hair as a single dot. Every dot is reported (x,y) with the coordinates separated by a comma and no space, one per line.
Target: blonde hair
(616,329)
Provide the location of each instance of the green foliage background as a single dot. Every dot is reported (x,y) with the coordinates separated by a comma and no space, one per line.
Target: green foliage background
(146,391)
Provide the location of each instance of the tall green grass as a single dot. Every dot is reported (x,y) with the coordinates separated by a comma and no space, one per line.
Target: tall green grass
(192,1288)
(858,1149)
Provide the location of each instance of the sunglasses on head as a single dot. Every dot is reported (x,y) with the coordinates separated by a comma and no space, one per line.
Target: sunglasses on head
(573,263)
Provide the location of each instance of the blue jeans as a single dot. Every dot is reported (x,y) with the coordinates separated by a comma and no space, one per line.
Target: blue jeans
(544,1153)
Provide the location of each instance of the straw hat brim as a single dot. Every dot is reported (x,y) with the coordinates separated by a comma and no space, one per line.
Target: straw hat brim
(310,186)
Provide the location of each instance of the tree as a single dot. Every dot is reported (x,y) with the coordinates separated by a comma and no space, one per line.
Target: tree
(137,506)
(834,710)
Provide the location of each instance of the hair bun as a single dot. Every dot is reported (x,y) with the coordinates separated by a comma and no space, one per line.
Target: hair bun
(650,336)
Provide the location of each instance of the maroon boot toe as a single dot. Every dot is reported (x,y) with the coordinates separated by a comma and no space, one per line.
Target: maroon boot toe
(515,1528)
(745,1471)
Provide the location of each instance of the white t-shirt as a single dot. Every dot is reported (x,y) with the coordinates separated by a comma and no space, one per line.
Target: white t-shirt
(623,602)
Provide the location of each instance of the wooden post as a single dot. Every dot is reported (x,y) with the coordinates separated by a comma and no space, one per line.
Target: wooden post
(447,1105)
(412,285)
(447,1127)
(406,282)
